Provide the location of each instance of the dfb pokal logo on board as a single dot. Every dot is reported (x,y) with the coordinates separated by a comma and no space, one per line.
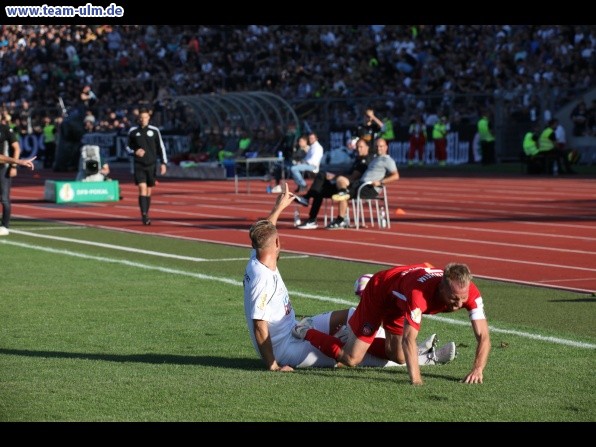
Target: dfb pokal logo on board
(66,192)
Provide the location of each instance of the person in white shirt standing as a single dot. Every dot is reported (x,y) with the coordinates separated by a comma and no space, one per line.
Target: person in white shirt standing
(561,149)
(310,163)
(560,137)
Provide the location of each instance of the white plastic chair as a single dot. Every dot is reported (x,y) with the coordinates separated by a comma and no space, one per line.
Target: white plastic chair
(328,206)
(358,207)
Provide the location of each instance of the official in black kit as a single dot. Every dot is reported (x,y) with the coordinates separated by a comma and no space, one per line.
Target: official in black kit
(146,146)
(9,142)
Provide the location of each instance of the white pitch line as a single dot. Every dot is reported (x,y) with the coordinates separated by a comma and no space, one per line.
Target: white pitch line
(461,255)
(560,341)
(233,282)
(135,250)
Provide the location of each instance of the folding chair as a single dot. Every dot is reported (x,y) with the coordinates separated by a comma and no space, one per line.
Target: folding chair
(328,210)
(382,211)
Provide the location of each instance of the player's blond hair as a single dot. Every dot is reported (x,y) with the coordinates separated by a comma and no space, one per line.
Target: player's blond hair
(456,273)
(262,233)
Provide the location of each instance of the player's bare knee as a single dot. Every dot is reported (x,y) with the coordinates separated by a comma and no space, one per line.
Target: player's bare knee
(394,357)
(352,359)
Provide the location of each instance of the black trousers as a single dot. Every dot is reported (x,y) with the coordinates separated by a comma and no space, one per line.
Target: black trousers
(488,152)
(5,183)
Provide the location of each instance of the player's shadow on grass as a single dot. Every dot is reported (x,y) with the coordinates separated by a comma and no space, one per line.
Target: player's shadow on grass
(399,374)
(170,359)
(577,300)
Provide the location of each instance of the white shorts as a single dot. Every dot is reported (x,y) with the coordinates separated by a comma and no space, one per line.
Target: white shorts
(301,354)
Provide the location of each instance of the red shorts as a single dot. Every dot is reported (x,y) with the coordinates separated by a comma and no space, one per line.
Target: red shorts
(378,307)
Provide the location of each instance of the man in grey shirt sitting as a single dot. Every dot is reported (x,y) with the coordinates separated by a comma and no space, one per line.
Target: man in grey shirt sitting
(381,171)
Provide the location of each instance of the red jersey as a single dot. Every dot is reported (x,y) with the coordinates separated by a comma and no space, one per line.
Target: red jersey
(405,292)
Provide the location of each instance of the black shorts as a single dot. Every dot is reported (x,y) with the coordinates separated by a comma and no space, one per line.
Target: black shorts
(145,174)
(328,189)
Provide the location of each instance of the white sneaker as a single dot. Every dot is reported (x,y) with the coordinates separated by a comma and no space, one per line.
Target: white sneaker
(276,189)
(443,355)
(342,333)
(426,345)
(337,225)
(4,231)
(299,331)
(446,353)
(308,225)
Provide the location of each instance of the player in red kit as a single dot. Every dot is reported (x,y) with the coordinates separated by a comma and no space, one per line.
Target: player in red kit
(396,299)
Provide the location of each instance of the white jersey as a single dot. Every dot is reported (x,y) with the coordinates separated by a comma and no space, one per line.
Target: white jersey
(266,298)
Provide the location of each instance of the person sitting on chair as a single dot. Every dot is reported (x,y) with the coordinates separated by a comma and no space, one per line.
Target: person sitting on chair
(324,184)
(555,158)
(381,170)
(296,157)
(310,163)
(536,163)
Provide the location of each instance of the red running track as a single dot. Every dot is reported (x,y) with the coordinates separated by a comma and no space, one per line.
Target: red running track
(531,230)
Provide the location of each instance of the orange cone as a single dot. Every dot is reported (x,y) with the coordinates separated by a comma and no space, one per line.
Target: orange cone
(399,211)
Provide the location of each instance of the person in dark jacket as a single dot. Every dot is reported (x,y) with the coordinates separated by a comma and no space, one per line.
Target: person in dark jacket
(146,145)
(8,170)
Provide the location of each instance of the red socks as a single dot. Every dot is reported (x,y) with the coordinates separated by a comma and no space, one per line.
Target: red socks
(327,344)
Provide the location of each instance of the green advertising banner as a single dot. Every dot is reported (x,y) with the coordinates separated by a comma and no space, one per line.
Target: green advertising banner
(73,192)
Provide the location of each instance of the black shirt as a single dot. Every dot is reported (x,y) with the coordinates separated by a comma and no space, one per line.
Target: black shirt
(7,134)
(361,164)
(148,138)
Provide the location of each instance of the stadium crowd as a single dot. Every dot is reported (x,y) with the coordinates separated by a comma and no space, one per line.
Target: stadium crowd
(130,66)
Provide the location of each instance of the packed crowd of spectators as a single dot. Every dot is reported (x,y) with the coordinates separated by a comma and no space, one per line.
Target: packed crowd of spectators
(128,66)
